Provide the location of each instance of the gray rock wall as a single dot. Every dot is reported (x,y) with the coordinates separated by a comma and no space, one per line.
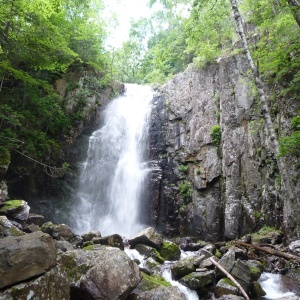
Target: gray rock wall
(209,189)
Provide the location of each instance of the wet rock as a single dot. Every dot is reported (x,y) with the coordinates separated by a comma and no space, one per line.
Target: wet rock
(3,192)
(148,251)
(256,269)
(153,266)
(38,220)
(231,297)
(148,237)
(90,235)
(196,280)
(64,246)
(58,231)
(241,272)
(288,298)
(52,285)
(170,251)
(162,293)
(257,291)
(114,240)
(225,287)
(15,209)
(26,256)
(228,260)
(183,267)
(31,228)
(294,247)
(8,229)
(113,277)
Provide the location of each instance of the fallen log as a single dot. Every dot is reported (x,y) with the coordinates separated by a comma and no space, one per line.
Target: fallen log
(278,253)
(230,277)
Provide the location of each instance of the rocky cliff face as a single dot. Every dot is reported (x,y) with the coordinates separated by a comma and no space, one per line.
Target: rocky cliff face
(218,177)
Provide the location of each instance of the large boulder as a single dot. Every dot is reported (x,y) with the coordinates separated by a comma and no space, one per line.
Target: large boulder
(241,272)
(24,257)
(148,237)
(162,293)
(103,273)
(170,251)
(294,247)
(114,240)
(15,209)
(58,231)
(197,280)
(183,267)
(52,285)
(8,229)
(148,251)
(225,287)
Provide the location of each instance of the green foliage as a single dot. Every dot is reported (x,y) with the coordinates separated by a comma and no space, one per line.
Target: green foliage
(185,189)
(183,169)
(215,134)
(291,144)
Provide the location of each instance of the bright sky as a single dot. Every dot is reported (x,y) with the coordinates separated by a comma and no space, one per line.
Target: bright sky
(124,11)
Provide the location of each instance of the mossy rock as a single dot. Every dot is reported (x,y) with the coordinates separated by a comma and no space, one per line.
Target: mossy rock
(8,229)
(257,291)
(170,251)
(268,235)
(10,205)
(149,251)
(150,282)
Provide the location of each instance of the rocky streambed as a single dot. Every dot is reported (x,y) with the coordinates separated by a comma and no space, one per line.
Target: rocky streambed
(42,260)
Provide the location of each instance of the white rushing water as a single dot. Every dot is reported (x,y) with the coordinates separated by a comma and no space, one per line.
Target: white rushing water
(113,175)
(273,286)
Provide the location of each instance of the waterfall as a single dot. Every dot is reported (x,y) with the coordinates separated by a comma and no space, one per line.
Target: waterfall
(112,178)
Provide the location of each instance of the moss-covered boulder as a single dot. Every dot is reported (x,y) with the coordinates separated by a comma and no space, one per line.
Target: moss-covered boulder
(256,269)
(114,240)
(267,235)
(257,291)
(150,282)
(15,209)
(170,251)
(61,230)
(8,229)
(183,267)
(160,293)
(149,237)
(225,287)
(148,251)
(197,280)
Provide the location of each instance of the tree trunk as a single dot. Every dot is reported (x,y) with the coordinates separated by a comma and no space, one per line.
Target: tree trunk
(295,8)
(291,204)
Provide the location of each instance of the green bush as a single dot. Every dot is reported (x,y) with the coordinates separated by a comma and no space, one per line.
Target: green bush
(215,134)
(185,189)
(183,169)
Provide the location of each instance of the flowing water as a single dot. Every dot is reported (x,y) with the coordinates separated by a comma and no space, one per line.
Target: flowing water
(113,175)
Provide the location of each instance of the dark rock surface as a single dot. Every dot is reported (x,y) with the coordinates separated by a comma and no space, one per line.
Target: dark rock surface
(25,256)
(149,237)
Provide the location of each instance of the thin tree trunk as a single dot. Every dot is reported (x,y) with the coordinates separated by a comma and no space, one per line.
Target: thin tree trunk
(290,206)
(287,256)
(295,8)
(230,277)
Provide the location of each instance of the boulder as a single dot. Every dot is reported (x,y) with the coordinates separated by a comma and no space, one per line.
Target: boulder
(231,297)
(26,256)
(170,251)
(3,192)
(31,228)
(148,251)
(52,285)
(114,276)
(241,272)
(256,269)
(294,247)
(114,240)
(8,229)
(152,266)
(148,237)
(197,280)
(90,235)
(183,267)
(15,209)
(162,293)
(228,260)
(257,291)
(58,231)
(225,287)
(64,246)
(38,220)
(101,273)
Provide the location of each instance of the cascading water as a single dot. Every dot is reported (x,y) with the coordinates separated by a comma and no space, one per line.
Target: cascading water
(113,175)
